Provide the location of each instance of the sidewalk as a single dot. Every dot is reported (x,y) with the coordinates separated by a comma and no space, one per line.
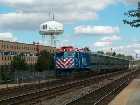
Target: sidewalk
(129,96)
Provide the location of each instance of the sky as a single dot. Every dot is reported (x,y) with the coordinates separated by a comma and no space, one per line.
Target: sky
(96,24)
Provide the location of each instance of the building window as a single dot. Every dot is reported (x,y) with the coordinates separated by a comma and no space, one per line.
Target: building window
(11,46)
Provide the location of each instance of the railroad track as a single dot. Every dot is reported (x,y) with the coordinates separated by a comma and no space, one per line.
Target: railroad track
(53,91)
(104,100)
(11,92)
(104,94)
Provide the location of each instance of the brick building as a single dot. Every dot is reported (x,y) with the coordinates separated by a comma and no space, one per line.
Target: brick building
(29,51)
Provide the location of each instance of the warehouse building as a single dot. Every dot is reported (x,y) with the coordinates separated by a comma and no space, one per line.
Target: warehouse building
(29,51)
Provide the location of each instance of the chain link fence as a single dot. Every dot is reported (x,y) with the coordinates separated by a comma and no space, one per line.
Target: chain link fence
(18,77)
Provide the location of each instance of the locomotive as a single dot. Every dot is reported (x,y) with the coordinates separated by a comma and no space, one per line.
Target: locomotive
(68,60)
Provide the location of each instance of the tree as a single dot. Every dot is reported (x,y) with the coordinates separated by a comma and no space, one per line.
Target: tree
(100,52)
(18,64)
(133,17)
(120,56)
(87,49)
(109,53)
(129,57)
(3,74)
(45,61)
(114,54)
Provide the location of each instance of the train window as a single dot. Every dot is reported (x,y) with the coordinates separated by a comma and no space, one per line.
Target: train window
(60,54)
(76,54)
(68,54)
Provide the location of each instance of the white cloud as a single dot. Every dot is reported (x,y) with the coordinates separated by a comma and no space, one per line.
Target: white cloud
(69,5)
(111,38)
(65,43)
(20,21)
(107,41)
(103,43)
(7,36)
(101,30)
(137,51)
(129,1)
(14,2)
(131,49)
(31,13)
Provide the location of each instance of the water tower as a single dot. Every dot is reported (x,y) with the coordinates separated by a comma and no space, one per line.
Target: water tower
(51,28)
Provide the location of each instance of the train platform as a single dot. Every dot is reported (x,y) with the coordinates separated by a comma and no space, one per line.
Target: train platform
(129,96)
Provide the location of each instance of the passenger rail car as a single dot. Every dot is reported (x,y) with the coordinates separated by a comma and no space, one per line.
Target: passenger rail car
(102,63)
(69,61)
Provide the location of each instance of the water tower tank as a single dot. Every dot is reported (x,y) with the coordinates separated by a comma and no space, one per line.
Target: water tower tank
(51,28)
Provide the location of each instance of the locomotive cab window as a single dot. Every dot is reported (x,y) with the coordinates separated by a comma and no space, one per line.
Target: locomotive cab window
(60,54)
(68,54)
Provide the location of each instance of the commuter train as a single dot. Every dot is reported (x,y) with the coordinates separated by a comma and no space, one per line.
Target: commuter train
(68,60)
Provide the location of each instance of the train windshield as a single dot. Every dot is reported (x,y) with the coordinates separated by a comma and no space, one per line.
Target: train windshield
(68,54)
(60,54)
(65,54)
